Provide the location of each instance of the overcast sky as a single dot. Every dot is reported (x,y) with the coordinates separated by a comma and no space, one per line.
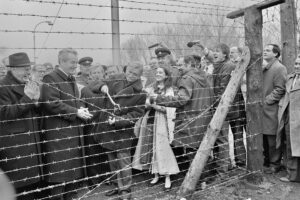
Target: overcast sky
(17,40)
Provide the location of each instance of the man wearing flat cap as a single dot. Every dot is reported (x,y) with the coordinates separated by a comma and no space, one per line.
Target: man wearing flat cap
(84,74)
(20,154)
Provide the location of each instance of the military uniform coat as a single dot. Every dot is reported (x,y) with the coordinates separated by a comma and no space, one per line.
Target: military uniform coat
(63,135)
(20,152)
(193,111)
(291,101)
(274,78)
(131,99)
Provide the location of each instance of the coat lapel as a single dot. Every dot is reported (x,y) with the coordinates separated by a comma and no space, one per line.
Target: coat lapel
(18,86)
(297,84)
(65,78)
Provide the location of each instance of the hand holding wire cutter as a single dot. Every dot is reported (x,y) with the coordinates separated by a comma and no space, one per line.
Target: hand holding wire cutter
(104,89)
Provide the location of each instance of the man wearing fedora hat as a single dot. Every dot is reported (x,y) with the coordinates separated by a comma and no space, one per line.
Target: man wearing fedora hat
(19,144)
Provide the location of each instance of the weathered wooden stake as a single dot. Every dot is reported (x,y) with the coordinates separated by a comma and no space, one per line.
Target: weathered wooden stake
(189,184)
(253,37)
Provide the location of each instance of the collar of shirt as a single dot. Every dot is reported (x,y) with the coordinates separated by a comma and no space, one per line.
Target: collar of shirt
(67,75)
(268,66)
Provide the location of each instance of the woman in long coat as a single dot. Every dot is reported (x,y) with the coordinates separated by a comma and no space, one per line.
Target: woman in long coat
(155,132)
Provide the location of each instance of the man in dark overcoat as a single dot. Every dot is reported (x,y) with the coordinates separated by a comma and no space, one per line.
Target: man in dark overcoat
(63,148)
(20,152)
(274,79)
(115,131)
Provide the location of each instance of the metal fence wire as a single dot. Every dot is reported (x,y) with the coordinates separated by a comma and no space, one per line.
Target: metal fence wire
(47,151)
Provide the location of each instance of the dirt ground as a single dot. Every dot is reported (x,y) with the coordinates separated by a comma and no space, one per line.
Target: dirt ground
(235,188)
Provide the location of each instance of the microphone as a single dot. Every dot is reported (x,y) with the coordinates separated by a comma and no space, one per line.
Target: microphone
(154,45)
(195,42)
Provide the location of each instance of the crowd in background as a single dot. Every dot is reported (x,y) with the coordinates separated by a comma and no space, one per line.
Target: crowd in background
(62,123)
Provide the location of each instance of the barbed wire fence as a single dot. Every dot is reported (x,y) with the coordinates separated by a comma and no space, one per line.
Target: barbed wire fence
(194,20)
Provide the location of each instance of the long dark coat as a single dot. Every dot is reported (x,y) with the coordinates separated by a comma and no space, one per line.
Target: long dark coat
(193,99)
(131,99)
(20,151)
(274,77)
(63,146)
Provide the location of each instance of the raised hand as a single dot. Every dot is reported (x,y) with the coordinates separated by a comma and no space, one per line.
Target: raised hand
(32,90)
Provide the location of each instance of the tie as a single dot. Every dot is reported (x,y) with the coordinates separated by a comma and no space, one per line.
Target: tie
(72,80)
(295,80)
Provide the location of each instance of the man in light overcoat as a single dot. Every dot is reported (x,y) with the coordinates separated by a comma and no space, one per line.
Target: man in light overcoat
(289,125)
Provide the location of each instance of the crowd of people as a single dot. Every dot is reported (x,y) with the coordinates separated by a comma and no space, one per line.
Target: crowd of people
(61,125)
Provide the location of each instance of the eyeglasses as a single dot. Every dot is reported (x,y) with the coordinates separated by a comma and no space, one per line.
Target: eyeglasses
(297,63)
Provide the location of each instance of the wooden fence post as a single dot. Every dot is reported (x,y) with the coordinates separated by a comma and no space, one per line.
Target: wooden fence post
(253,39)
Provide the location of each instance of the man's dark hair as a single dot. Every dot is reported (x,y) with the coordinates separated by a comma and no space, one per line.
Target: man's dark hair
(190,59)
(276,49)
(224,48)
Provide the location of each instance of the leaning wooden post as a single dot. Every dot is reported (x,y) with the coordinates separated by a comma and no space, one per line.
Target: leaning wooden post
(189,184)
(253,38)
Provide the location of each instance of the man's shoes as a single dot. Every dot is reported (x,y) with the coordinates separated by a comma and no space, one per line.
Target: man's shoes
(91,185)
(125,195)
(220,178)
(240,163)
(271,170)
(284,179)
(112,192)
(70,196)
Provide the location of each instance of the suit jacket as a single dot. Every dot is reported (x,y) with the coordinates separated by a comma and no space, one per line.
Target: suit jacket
(63,136)
(290,105)
(274,78)
(131,99)
(20,151)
